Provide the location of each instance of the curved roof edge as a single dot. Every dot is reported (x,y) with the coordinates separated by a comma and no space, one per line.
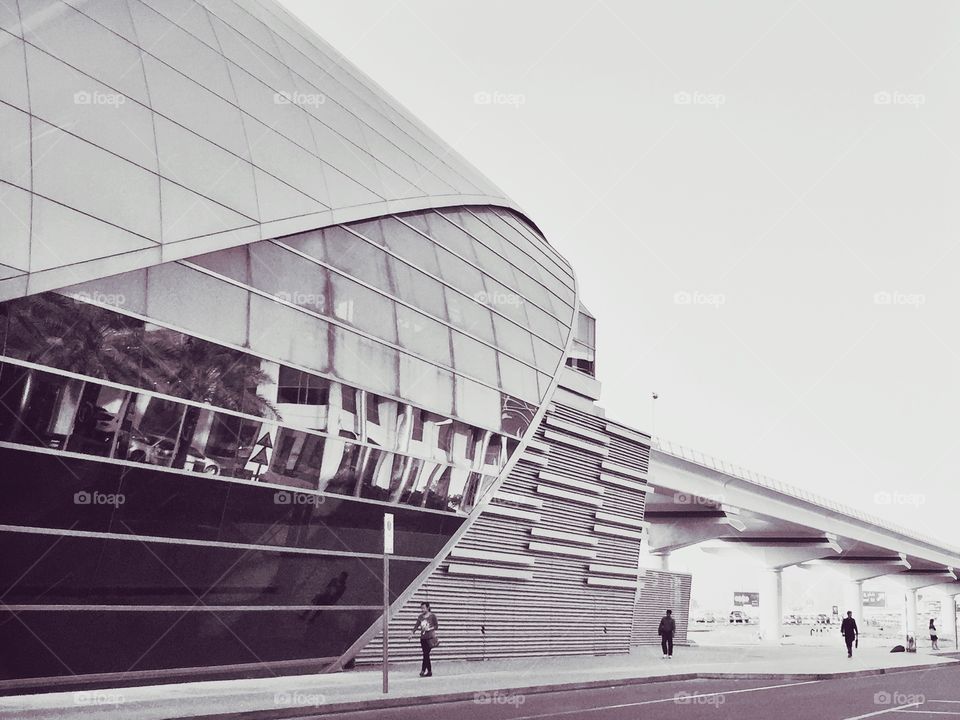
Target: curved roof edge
(59,277)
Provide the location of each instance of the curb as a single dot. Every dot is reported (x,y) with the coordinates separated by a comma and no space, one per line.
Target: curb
(418,700)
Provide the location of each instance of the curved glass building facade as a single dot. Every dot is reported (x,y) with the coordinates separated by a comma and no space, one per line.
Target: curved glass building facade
(248,305)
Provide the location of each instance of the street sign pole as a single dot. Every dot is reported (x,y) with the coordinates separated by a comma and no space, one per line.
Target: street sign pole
(387,552)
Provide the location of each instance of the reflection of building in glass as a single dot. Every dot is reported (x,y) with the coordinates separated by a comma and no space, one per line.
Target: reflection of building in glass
(251,325)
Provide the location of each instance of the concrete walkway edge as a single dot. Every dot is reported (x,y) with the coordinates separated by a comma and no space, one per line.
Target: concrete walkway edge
(415,700)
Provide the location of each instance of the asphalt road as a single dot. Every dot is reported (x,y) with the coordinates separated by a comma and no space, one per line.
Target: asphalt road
(930,693)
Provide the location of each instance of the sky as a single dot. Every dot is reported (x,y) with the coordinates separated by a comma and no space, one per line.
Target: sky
(758,199)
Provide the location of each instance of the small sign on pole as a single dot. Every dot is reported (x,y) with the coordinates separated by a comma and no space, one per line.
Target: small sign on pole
(387,552)
(388,533)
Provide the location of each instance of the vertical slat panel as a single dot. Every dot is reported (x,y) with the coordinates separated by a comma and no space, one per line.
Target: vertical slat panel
(557,612)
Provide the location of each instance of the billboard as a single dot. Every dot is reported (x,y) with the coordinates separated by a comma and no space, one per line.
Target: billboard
(874,598)
(746,599)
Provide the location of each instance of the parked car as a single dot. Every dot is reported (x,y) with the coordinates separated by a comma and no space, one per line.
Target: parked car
(738,616)
(823,619)
(159,451)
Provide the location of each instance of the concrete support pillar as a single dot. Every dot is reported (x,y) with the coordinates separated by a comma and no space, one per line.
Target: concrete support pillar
(853,600)
(910,611)
(771,605)
(663,561)
(947,623)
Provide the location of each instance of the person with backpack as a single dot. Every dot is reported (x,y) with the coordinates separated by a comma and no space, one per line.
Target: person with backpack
(427,626)
(666,629)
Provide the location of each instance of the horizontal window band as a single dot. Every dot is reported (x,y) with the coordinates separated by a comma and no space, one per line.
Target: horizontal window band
(197,607)
(612,582)
(515,499)
(620,520)
(561,550)
(628,484)
(535,459)
(226,478)
(485,571)
(612,569)
(628,434)
(623,470)
(619,532)
(570,482)
(567,495)
(574,442)
(510,559)
(494,509)
(573,428)
(537,446)
(561,535)
(87,534)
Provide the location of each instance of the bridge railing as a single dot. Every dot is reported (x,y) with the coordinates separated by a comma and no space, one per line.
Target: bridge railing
(737,471)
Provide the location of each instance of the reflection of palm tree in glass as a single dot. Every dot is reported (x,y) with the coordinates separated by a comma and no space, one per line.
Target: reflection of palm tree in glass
(50,329)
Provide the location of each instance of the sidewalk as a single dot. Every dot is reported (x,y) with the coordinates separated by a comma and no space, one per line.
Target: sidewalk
(455,680)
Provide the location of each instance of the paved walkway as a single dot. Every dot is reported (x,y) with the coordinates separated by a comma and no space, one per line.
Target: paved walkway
(323,693)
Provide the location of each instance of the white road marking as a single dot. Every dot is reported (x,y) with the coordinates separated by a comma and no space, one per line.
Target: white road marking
(685,697)
(930,712)
(883,712)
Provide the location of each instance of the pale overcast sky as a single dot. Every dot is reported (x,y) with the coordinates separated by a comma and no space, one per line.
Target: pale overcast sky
(759,199)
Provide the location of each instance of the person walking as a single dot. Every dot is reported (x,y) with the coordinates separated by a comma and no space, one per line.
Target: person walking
(933,636)
(666,629)
(427,626)
(851,635)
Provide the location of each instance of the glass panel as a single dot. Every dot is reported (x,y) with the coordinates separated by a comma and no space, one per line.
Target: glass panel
(363,308)
(297,459)
(356,257)
(382,421)
(411,245)
(547,356)
(426,384)
(364,362)
(518,379)
(423,335)
(446,234)
(475,359)
(477,404)
(504,301)
(516,415)
(200,303)
(418,289)
(469,315)
(513,339)
(284,332)
(291,278)
(460,274)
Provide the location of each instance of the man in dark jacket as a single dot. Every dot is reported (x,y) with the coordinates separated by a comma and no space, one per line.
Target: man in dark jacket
(848,628)
(668,626)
